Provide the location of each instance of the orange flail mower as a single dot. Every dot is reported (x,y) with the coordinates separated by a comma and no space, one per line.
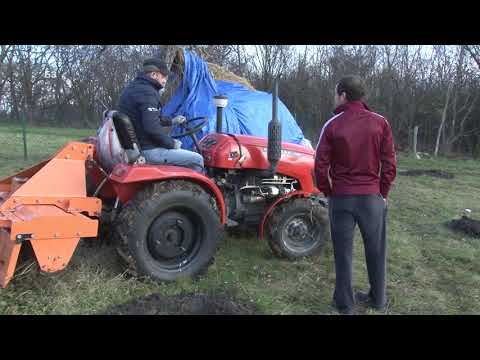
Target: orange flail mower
(41,206)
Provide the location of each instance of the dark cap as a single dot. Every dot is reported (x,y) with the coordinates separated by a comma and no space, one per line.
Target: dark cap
(155,64)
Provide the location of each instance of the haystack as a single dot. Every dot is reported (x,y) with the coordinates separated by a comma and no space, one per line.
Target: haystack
(217,72)
(220,73)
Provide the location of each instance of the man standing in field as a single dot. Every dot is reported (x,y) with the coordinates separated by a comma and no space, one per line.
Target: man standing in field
(355,165)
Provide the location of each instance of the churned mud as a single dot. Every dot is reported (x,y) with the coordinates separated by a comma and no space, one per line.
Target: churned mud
(468,226)
(434,173)
(185,304)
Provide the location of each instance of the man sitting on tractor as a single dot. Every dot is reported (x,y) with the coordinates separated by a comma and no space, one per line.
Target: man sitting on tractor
(140,100)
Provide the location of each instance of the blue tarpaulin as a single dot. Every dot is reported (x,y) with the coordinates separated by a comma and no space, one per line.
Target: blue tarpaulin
(248,111)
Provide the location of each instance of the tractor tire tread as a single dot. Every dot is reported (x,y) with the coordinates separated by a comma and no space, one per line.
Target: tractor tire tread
(148,197)
(273,225)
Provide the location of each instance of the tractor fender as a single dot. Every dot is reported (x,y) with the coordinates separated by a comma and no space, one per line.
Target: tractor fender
(298,193)
(127,180)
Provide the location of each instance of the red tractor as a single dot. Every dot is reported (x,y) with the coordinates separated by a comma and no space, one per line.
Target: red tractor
(168,220)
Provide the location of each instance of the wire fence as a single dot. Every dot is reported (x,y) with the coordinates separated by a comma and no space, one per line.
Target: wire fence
(22,145)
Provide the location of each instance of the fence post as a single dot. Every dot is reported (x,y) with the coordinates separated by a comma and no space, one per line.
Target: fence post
(24,132)
(415,135)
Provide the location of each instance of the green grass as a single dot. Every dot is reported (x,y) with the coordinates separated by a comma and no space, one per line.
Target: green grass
(41,143)
(431,270)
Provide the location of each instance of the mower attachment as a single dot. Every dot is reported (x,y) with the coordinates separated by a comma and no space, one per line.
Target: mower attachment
(47,205)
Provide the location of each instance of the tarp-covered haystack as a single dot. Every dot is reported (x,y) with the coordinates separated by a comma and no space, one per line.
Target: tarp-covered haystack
(216,71)
(220,73)
(191,90)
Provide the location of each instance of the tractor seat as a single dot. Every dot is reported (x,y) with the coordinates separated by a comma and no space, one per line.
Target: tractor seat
(127,136)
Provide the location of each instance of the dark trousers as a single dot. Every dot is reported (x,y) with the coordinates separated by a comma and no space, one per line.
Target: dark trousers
(369,212)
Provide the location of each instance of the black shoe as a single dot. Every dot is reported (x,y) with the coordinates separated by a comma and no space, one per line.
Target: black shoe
(346,311)
(343,311)
(363,298)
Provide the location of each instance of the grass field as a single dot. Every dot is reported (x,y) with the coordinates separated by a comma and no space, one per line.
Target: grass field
(431,269)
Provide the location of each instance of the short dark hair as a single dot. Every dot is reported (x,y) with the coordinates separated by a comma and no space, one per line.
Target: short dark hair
(353,86)
(155,65)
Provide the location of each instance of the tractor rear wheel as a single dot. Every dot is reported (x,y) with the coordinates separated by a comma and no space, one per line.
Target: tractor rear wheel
(297,228)
(169,230)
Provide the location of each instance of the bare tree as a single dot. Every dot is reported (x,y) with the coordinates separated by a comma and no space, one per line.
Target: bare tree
(435,88)
(270,61)
(460,100)
(474,51)
(444,118)
(4,50)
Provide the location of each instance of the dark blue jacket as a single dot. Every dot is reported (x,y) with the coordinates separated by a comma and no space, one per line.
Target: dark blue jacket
(140,100)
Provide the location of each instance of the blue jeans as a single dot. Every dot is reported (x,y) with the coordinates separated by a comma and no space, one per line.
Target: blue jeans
(178,157)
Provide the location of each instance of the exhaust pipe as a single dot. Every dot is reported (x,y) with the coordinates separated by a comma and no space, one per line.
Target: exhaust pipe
(221,102)
(274,150)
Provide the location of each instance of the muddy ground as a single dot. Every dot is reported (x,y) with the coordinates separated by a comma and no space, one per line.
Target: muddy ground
(468,226)
(185,304)
(433,172)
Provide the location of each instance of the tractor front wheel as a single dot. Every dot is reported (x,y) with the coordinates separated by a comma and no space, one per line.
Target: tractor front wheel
(297,228)
(169,230)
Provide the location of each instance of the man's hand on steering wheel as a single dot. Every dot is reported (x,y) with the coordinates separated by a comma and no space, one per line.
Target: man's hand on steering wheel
(202,121)
(179,120)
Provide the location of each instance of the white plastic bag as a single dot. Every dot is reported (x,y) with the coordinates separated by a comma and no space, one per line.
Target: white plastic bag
(110,152)
(307,143)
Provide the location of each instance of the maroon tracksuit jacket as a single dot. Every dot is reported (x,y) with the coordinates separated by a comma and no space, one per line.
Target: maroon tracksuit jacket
(356,151)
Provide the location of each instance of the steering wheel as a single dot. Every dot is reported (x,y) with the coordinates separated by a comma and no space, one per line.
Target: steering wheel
(192,130)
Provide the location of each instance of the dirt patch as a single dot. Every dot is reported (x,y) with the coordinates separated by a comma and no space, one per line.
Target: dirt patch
(468,226)
(435,173)
(186,304)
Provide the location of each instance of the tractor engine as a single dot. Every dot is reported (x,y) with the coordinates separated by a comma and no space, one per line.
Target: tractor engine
(240,167)
(252,172)
(248,195)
